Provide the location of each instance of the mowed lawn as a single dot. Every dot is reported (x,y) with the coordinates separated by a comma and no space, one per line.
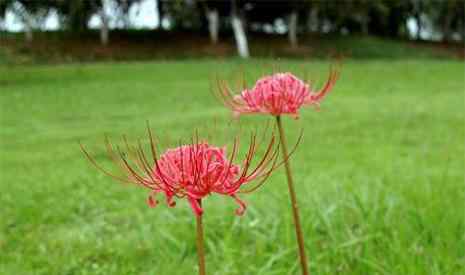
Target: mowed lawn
(379,173)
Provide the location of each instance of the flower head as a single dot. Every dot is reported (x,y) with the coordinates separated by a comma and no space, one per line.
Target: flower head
(277,94)
(193,171)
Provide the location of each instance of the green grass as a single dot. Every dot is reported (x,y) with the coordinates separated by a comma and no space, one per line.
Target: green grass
(379,174)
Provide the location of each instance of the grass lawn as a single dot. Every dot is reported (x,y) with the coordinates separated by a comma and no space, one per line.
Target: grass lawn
(379,174)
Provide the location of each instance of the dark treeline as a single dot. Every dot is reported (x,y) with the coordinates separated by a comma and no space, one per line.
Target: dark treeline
(442,20)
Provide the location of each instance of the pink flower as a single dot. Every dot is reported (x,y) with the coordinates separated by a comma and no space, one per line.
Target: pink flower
(277,94)
(193,171)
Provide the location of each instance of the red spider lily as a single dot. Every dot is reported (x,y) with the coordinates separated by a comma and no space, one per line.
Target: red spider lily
(193,171)
(277,94)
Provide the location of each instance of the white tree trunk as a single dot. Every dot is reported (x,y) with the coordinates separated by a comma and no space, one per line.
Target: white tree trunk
(28,31)
(104,28)
(104,31)
(27,19)
(213,25)
(293,18)
(239,35)
(312,20)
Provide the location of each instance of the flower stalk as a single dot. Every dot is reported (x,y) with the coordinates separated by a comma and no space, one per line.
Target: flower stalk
(294,204)
(193,172)
(200,243)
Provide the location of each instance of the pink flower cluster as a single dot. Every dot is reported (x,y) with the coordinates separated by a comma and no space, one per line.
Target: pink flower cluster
(277,94)
(196,171)
(199,169)
(193,171)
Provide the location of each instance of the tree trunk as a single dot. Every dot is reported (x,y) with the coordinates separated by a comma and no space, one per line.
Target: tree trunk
(28,30)
(104,30)
(417,14)
(213,25)
(293,19)
(419,25)
(364,22)
(395,20)
(240,37)
(462,29)
(28,26)
(446,27)
(27,19)
(125,15)
(461,22)
(312,20)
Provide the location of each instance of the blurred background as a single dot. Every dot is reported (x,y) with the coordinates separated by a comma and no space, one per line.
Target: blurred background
(379,173)
(57,30)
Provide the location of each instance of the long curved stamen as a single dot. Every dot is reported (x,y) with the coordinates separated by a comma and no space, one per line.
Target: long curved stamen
(146,164)
(194,157)
(113,156)
(233,155)
(193,171)
(263,176)
(249,155)
(129,168)
(333,77)
(96,165)
(263,160)
(155,160)
(132,151)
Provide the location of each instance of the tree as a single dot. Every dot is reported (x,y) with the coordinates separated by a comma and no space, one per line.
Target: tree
(237,22)
(31,13)
(451,19)
(214,10)
(3,7)
(104,28)
(268,11)
(182,14)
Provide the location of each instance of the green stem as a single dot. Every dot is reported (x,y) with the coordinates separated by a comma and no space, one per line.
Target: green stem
(294,205)
(200,245)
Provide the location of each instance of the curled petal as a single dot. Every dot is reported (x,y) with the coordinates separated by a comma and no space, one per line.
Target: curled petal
(151,201)
(169,201)
(315,98)
(242,206)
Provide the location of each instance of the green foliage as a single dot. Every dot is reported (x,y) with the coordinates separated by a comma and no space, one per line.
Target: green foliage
(75,14)
(381,17)
(379,174)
